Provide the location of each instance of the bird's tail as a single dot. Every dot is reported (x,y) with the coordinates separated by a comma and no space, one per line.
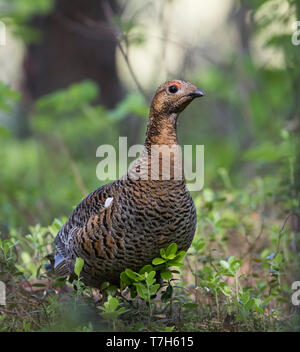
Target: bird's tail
(57,265)
(50,266)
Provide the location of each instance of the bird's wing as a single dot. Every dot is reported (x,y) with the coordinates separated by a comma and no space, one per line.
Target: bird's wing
(82,227)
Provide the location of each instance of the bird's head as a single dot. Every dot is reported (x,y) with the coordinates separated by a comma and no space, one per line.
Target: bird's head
(174,96)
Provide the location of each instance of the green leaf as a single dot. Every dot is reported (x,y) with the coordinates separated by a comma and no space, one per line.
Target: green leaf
(111,304)
(149,276)
(7,96)
(38,285)
(180,256)
(175,271)
(78,266)
(109,310)
(146,269)
(132,275)
(167,329)
(157,261)
(174,262)
(190,305)
(125,280)
(171,250)
(167,294)
(105,285)
(153,289)
(224,264)
(198,244)
(133,291)
(278,259)
(166,275)
(258,309)
(142,290)
(112,290)
(163,253)
(235,265)
(267,300)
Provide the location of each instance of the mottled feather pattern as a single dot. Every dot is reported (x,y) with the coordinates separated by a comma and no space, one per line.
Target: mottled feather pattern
(124,224)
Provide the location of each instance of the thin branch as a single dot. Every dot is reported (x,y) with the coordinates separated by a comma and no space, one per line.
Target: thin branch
(281,230)
(84,26)
(109,15)
(7,311)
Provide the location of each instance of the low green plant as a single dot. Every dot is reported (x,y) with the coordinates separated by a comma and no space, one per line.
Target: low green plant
(111,310)
(78,284)
(169,258)
(144,283)
(6,250)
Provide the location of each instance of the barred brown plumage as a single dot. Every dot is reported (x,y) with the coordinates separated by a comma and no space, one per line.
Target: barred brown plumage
(125,223)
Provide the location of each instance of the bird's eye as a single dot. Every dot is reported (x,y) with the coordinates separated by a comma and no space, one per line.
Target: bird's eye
(173,89)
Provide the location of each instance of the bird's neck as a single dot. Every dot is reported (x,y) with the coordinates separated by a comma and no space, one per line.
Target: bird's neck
(161,129)
(161,158)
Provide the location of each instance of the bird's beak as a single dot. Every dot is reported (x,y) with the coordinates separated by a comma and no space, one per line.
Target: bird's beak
(197,93)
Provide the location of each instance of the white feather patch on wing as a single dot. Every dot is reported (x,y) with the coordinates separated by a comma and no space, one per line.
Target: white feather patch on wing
(108,202)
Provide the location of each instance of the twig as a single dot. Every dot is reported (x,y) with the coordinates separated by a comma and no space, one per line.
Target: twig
(83,28)
(109,15)
(281,230)
(189,264)
(7,311)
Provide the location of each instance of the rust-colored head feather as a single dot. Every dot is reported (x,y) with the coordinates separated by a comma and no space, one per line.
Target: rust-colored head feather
(174,96)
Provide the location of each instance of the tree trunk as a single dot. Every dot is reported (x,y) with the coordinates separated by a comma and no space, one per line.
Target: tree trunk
(70,51)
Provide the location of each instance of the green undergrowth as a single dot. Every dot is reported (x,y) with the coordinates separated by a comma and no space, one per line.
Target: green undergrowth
(236,276)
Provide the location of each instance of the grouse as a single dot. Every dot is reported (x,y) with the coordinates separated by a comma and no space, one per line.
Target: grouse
(124,224)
